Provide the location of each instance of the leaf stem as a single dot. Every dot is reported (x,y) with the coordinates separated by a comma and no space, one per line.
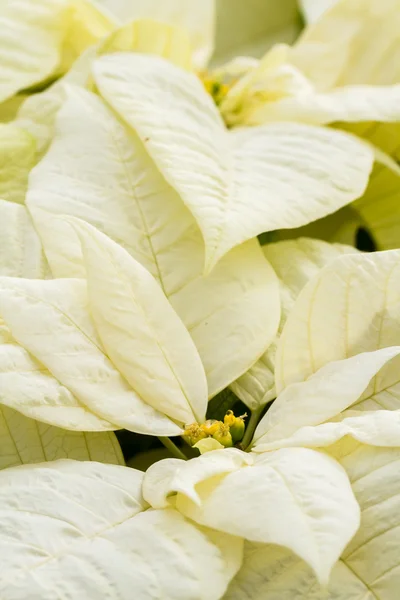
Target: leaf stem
(172,447)
(251,426)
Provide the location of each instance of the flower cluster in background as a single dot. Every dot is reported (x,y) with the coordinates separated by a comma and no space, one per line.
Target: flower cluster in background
(199,299)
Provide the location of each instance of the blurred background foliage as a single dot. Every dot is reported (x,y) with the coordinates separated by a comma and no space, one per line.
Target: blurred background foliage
(251,27)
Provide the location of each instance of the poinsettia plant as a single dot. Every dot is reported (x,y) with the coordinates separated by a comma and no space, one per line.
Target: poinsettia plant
(199,389)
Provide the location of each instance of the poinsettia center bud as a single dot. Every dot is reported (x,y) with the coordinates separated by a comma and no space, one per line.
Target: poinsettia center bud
(216,88)
(227,432)
(236,425)
(223,435)
(194,433)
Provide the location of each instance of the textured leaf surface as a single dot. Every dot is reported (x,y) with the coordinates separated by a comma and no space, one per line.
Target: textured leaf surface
(377,428)
(317,512)
(21,250)
(333,388)
(32,34)
(17,157)
(24,440)
(239,183)
(369,566)
(353,43)
(73,529)
(295,262)
(140,331)
(106,178)
(361,294)
(50,320)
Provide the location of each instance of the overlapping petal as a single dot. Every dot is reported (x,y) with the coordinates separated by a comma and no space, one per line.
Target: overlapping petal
(276,176)
(106,178)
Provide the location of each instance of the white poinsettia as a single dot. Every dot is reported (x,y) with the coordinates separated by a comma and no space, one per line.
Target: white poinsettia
(353,301)
(325,78)
(83,530)
(361,295)
(24,440)
(317,381)
(368,567)
(295,262)
(297,498)
(116,352)
(236,183)
(238,492)
(322,79)
(113,184)
(38,111)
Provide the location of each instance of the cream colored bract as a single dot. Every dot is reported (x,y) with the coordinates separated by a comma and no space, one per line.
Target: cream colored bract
(136,190)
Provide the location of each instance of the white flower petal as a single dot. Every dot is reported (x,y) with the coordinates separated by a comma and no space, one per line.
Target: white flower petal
(66,522)
(25,440)
(172,475)
(112,184)
(21,251)
(293,497)
(197,18)
(31,389)
(353,43)
(377,428)
(369,566)
(140,330)
(32,34)
(329,391)
(361,295)
(236,184)
(294,262)
(50,319)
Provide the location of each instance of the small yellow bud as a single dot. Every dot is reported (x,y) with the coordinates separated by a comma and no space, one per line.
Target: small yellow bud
(210,426)
(194,433)
(236,425)
(223,436)
(229,418)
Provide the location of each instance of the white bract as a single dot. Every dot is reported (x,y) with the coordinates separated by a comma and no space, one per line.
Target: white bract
(41,38)
(294,262)
(325,77)
(342,70)
(72,327)
(98,170)
(37,112)
(24,440)
(197,18)
(83,530)
(368,568)
(236,183)
(133,289)
(361,295)
(239,493)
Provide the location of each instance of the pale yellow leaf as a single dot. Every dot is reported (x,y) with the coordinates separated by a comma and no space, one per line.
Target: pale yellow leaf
(105,177)
(294,262)
(23,440)
(237,184)
(140,331)
(32,34)
(50,320)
